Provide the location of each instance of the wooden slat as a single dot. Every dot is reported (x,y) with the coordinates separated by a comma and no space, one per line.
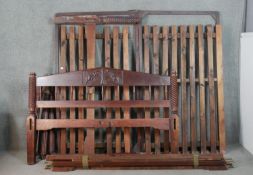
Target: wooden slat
(219,59)
(156,89)
(91,43)
(107,43)
(183,86)
(47,124)
(211,88)
(192,88)
(116,89)
(126,95)
(202,114)
(72,64)
(146,90)
(165,71)
(81,89)
(103,104)
(174,68)
(62,69)
(52,138)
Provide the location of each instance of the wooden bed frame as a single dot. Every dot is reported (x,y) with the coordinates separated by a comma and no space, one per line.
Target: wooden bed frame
(161,107)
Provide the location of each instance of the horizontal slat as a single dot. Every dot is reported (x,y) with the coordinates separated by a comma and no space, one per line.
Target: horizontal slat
(47,124)
(104,104)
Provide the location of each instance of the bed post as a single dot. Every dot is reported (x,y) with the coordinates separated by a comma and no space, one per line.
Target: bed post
(30,121)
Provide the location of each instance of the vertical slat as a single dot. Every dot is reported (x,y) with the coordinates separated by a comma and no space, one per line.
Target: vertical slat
(72,64)
(146,91)
(156,89)
(107,89)
(219,59)
(116,89)
(165,69)
(62,69)
(174,134)
(192,88)
(202,114)
(127,138)
(51,133)
(81,89)
(211,88)
(91,43)
(183,87)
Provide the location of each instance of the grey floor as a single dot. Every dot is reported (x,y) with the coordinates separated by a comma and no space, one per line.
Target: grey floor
(14,162)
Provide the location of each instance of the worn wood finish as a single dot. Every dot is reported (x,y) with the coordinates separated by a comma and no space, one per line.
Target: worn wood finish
(90,137)
(183,87)
(182,59)
(220,89)
(48,124)
(192,89)
(72,63)
(202,113)
(62,69)
(107,43)
(147,91)
(81,89)
(126,95)
(165,71)
(106,104)
(211,89)
(116,65)
(155,70)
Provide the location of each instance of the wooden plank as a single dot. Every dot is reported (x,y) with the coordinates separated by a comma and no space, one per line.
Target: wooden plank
(52,138)
(81,89)
(192,89)
(211,89)
(72,64)
(116,89)
(156,89)
(91,43)
(202,114)
(107,44)
(102,104)
(62,69)
(47,124)
(147,89)
(165,70)
(183,86)
(219,59)
(174,68)
(126,95)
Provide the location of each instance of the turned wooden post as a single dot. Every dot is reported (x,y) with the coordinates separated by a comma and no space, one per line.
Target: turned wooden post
(174,126)
(30,122)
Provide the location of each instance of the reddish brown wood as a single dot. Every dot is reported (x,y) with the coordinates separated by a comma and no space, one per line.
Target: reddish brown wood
(90,137)
(107,104)
(47,124)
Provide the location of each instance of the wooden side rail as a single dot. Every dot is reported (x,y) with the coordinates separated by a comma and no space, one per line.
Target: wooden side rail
(204,161)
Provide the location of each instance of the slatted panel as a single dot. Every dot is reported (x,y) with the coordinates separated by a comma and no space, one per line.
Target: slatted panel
(195,56)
